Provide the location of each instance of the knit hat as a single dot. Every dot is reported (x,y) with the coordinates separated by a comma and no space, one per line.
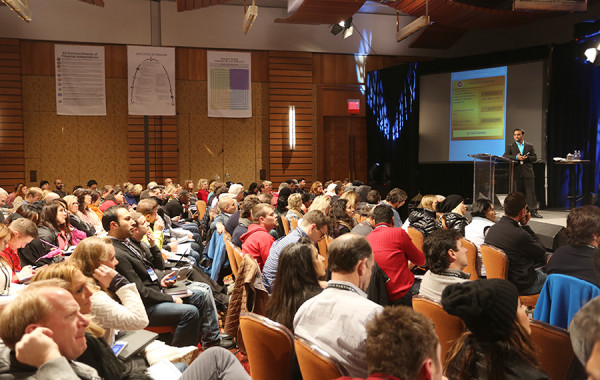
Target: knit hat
(449,203)
(488,307)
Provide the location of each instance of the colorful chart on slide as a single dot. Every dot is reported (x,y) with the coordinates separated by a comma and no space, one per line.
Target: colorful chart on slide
(478,108)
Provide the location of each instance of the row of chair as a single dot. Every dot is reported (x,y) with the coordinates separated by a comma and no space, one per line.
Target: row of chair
(272,349)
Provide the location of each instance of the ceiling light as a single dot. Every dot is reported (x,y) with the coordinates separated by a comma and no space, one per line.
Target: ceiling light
(21,9)
(336,29)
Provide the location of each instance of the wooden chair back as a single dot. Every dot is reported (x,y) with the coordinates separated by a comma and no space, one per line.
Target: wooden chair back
(293,224)
(417,237)
(447,327)
(233,262)
(553,349)
(201,206)
(471,267)
(286,224)
(270,347)
(315,364)
(496,266)
(322,247)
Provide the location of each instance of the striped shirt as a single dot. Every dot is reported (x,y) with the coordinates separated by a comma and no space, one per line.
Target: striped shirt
(270,268)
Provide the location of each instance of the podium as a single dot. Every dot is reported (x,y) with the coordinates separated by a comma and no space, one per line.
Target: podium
(492,176)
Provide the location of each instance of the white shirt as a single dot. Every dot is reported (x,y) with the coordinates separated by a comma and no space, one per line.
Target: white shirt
(474,233)
(335,321)
(433,284)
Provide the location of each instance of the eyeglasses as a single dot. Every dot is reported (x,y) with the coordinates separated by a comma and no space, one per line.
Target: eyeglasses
(322,234)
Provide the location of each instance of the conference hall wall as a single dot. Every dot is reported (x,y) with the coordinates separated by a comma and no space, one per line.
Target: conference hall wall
(191,145)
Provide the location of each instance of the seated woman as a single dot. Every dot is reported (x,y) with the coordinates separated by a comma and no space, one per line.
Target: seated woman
(342,218)
(423,218)
(322,203)
(497,345)
(297,279)
(454,210)
(55,234)
(114,198)
(20,193)
(76,221)
(583,233)
(95,204)
(316,189)
(84,212)
(5,271)
(294,207)
(203,190)
(353,200)
(484,216)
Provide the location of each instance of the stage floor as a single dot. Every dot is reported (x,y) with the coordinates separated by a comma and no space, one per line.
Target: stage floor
(550,216)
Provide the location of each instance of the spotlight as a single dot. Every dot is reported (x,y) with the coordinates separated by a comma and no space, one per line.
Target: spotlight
(348,32)
(336,29)
(591,54)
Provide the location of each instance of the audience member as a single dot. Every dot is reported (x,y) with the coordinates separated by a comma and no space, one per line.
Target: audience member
(454,211)
(497,345)
(335,319)
(342,218)
(395,199)
(44,185)
(423,218)
(297,280)
(575,259)
(22,232)
(58,186)
(484,216)
(74,218)
(294,207)
(313,226)
(364,228)
(402,344)
(257,241)
(446,258)
(393,249)
(321,203)
(585,337)
(316,189)
(111,198)
(523,247)
(92,185)
(245,219)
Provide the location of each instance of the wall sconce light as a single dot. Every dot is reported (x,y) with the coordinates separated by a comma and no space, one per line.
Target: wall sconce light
(292,126)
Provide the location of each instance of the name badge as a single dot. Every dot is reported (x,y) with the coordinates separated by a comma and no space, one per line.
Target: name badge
(152,275)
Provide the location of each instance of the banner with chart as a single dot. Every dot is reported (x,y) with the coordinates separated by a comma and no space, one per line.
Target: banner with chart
(229,89)
(80,83)
(151,80)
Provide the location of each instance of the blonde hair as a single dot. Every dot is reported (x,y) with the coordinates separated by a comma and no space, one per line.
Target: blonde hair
(201,182)
(295,202)
(352,197)
(70,199)
(320,203)
(89,253)
(427,201)
(66,271)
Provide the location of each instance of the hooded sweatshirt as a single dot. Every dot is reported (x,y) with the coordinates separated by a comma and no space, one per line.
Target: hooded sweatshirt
(257,242)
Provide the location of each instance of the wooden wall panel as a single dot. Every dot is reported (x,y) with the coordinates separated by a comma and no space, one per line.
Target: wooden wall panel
(12,148)
(162,142)
(290,83)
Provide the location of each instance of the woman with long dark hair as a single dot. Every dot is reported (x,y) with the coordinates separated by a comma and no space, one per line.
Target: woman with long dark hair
(497,345)
(300,267)
(342,218)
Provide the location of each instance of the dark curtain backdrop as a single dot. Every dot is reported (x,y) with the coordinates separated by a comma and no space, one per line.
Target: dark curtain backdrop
(392,99)
(573,117)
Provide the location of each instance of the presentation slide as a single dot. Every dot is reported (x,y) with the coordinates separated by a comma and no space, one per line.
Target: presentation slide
(470,112)
(478,112)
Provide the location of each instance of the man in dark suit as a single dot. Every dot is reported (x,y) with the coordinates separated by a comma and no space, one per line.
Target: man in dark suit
(195,316)
(523,170)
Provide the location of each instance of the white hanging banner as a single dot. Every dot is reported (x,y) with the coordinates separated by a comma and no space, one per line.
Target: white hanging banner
(80,80)
(151,79)
(229,89)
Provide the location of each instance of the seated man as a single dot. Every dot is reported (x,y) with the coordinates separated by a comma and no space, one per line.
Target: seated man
(575,259)
(523,247)
(244,220)
(257,241)
(195,317)
(23,232)
(365,228)
(393,249)
(446,258)
(395,199)
(402,343)
(44,330)
(335,319)
(585,337)
(313,226)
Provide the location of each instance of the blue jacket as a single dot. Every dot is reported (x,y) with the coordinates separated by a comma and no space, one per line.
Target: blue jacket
(561,297)
(215,250)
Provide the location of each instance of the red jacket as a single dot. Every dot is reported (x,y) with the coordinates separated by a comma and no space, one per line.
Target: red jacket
(257,242)
(392,248)
(14,262)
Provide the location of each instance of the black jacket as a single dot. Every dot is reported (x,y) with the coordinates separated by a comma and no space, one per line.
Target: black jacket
(454,221)
(524,170)
(423,220)
(523,248)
